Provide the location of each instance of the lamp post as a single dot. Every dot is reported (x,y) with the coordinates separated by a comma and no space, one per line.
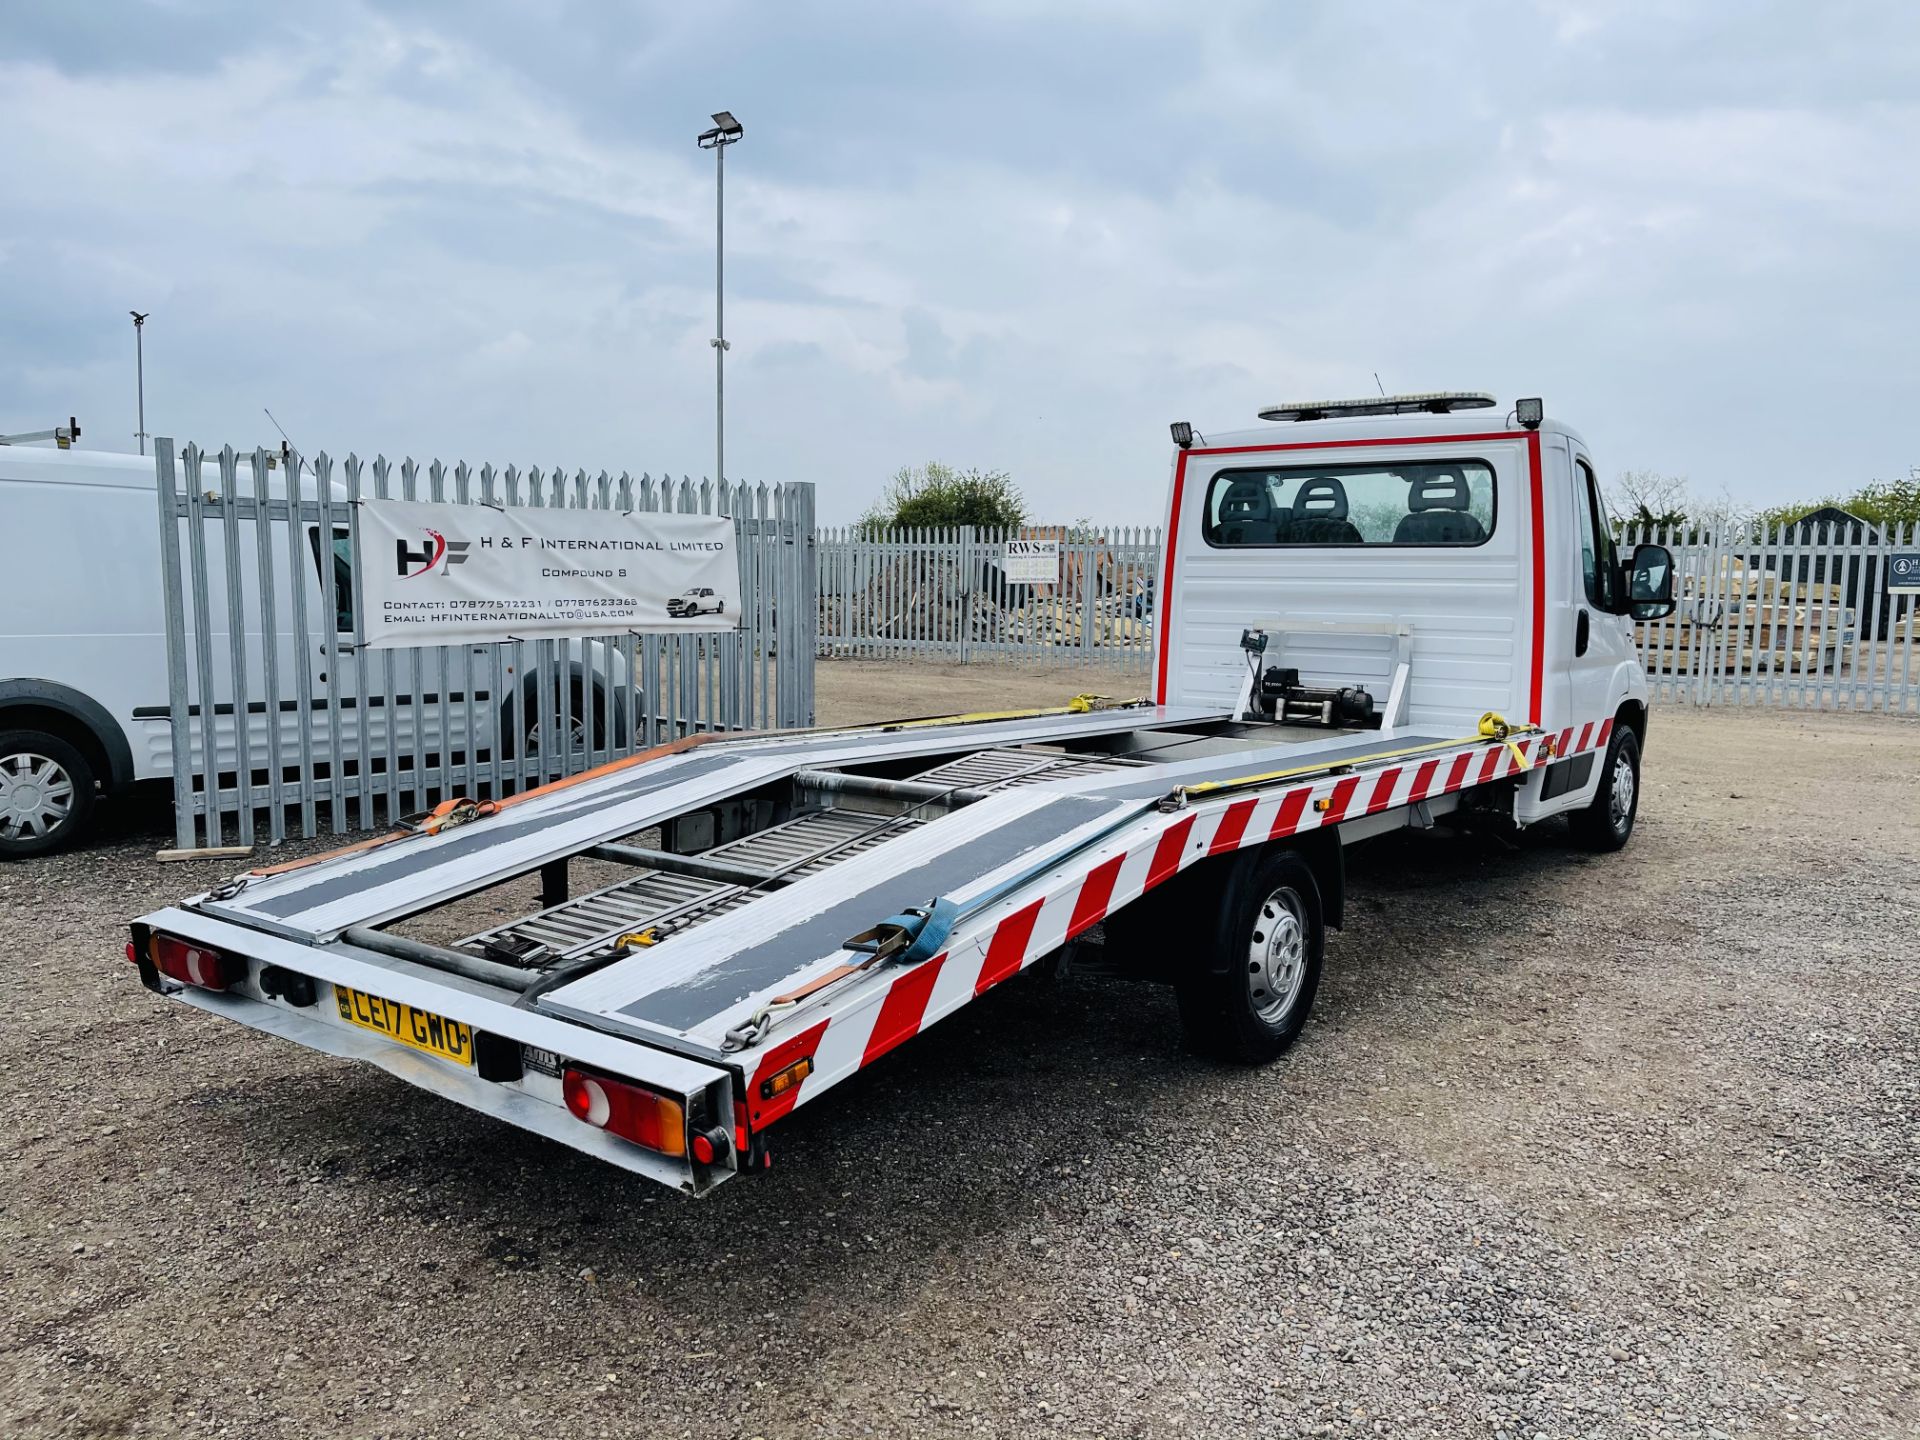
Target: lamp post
(140,375)
(726,131)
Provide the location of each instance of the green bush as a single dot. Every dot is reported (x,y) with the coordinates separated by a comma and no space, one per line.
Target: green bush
(936,495)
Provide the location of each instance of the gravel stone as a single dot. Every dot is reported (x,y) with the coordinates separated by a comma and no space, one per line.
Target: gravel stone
(1574,1146)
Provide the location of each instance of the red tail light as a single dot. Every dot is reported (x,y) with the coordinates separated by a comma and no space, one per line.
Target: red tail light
(191,964)
(630,1111)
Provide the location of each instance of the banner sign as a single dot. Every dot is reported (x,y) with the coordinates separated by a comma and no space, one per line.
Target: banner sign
(1032,562)
(1903,572)
(448,574)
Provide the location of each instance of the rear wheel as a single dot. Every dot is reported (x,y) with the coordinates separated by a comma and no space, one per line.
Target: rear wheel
(1250,999)
(46,792)
(1607,822)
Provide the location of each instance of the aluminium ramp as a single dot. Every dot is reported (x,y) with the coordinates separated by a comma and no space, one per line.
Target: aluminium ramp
(412,874)
(695,988)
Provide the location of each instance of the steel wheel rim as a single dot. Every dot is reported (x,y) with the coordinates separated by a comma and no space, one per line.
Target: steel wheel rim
(1620,805)
(36,796)
(1277,955)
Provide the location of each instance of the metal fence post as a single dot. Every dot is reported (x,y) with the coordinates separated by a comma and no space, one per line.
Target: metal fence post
(174,598)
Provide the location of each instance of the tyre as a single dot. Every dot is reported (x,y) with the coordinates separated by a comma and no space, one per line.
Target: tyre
(1249,999)
(46,793)
(1607,822)
(515,743)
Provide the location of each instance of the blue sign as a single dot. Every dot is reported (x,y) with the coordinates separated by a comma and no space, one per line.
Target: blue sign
(1903,572)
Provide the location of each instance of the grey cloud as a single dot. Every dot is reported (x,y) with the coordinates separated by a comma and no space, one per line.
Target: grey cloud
(1011,236)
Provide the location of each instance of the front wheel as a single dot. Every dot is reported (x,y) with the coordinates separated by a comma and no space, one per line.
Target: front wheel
(1248,1000)
(1607,821)
(46,793)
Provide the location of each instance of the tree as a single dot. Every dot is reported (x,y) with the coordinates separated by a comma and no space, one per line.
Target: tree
(939,495)
(1647,500)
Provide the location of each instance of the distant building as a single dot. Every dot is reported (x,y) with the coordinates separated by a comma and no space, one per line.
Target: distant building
(1829,524)
(1854,573)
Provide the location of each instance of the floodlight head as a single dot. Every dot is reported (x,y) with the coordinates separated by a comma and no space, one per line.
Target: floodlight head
(1182,433)
(725,131)
(1529,413)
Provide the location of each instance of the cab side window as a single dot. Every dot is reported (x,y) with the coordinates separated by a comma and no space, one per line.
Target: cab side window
(1599,562)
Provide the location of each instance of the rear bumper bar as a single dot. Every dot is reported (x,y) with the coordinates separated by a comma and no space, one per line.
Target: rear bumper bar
(532,1101)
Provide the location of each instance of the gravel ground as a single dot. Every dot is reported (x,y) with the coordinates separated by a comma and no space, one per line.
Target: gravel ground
(1621,1146)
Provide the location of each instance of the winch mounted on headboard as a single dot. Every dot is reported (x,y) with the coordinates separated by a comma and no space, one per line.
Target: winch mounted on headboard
(1277,694)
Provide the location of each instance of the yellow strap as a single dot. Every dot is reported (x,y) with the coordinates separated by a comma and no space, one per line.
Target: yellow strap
(1494,726)
(1079,705)
(1211,787)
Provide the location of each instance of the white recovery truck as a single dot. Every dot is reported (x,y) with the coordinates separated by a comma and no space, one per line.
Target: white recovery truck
(1374,615)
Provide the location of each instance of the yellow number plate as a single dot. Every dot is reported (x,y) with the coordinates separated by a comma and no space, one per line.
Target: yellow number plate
(448,1039)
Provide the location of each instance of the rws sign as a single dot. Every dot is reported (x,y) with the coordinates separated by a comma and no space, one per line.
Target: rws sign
(1032,562)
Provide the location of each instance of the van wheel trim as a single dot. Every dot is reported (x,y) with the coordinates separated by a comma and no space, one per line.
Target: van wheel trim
(36,795)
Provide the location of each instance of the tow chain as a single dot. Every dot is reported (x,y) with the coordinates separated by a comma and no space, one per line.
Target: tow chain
(755,1029)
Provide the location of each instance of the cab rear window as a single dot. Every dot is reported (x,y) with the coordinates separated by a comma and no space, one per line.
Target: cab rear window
(1429,502)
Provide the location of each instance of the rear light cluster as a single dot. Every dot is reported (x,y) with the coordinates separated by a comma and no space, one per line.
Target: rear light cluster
(191,964)
(629,1111)
(643,1116)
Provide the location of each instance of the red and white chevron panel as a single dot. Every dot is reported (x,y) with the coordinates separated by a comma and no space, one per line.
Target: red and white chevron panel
(855,1029)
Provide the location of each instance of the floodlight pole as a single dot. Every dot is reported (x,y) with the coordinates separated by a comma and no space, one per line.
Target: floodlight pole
(720,314)
(140,375)
(726,130)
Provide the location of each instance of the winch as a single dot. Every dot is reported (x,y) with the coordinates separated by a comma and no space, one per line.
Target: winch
(1277,694)
(1281,696)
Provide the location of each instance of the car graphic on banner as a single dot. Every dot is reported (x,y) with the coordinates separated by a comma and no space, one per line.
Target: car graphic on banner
(701,600)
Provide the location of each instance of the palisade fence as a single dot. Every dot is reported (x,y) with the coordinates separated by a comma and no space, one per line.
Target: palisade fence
(943,593)
(260,626)
(1798,616)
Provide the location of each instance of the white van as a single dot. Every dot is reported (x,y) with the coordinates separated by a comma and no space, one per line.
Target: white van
(83,647)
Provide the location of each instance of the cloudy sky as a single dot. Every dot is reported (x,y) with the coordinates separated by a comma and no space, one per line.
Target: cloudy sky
(1010,234)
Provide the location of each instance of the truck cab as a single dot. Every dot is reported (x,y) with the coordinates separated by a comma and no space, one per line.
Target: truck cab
(1420,529)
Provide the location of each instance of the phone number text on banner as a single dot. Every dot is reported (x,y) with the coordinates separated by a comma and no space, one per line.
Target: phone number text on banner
(446,574)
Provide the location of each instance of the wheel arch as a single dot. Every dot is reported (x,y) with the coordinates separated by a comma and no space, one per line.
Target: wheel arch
(1632,714)
(75,717)
(1326,857)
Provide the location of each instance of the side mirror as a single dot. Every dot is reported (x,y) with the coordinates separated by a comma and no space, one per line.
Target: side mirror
(1650,582)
